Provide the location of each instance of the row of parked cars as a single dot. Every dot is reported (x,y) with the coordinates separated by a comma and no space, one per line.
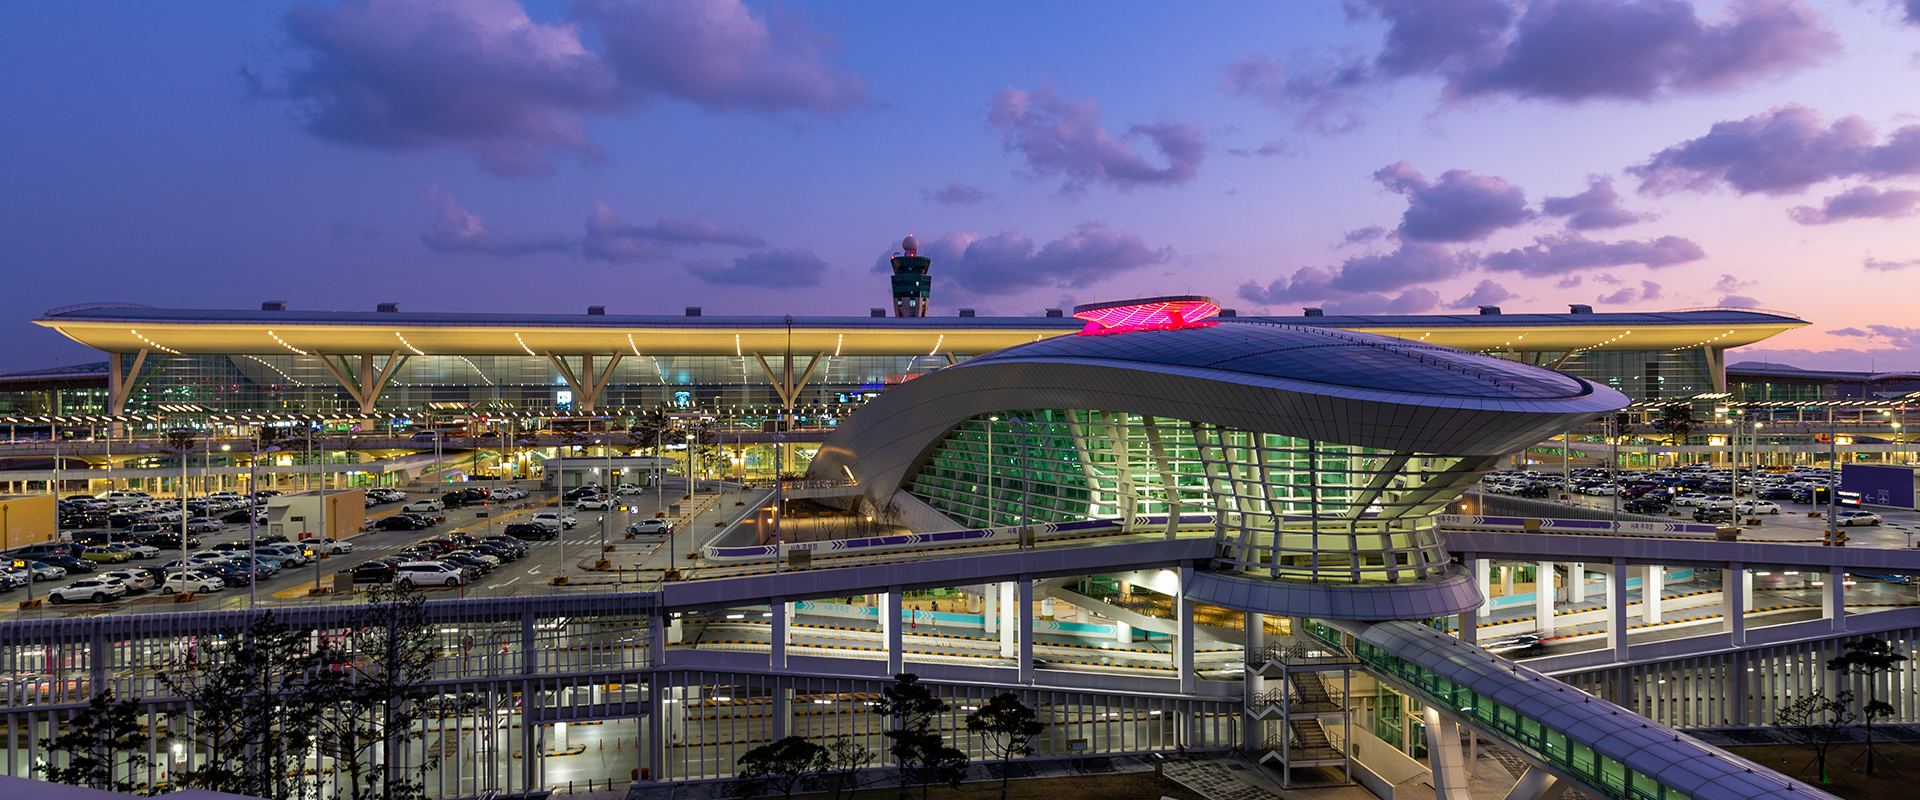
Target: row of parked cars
(449,561)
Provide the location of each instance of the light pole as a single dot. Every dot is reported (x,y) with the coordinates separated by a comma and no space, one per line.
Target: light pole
(181,490)
(778,495)
(253,521)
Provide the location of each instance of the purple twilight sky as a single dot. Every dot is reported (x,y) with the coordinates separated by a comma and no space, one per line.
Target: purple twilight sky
(1410,156)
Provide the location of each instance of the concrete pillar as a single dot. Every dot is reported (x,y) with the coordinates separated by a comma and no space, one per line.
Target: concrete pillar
(890,625)
(1733,609)
(793,615)
(1009,617)
(1444,756)
(1534,784)
(1046,608)
(782,718)
(1543,598)
(1122,632)
(1617,609)
(1184,608)
(1483,580)
(777,637)
(1833,599)
(1576,583)
(1652,586)
(1506,580)
(1746,589)
(1026,628)
(990,607)
(656,754)
(675,633)
(1253,639)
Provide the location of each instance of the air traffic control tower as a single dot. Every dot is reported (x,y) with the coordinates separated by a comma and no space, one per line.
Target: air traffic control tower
(911,283)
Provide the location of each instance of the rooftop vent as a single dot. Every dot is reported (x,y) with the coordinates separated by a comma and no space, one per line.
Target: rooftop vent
(388,308)
(1489,311)
(1314,312)
(1228,312)
(966,312)
(693,311)
(274,305)
(876,312)
(1054,312)
(1579,308)
(596,311)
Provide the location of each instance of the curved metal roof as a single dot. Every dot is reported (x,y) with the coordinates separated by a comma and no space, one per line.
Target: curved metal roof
(1315,355)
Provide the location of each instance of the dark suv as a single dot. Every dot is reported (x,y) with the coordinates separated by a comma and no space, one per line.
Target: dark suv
(1707,514)
(373,572)
(525,530)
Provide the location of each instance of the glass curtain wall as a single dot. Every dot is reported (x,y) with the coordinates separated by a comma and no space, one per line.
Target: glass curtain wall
(1282,506)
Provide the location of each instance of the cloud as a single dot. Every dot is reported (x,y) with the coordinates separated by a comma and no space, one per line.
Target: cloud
(1273,148)
(1063,138)
(1645,292)
(1568,282)
(1316,91)
(1557,254)
(1372,274)
(1780,151)
(718,55)
(1459,207)
(1879,359)
(772,269)
(1860,202)
(455,230)
(1904,338)
(1578,50)
(1889,266)
(1910,11)
(1728,284)
(954,193)
(610,239)
(482,77)
(1738,301)
(1363,235)
(1597,208)
(1485,293)
(1009,263)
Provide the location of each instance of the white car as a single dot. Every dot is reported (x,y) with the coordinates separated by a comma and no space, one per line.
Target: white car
(191,582)
(647,526)
(1758,507)
(429,573)
(284,552)
(554,522)
(629,488)
(419,506)
(136,580)
(140,550)
(1689,498)
(1716,501)
(90,590)
(594,502)
(331,546)
(1857,517)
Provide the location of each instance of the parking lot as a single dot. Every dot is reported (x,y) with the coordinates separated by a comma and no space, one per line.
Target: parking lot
(572,554)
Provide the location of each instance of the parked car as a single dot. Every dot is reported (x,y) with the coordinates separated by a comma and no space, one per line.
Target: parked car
(555,521)
(649,526)
(70,563)
(95,590)
(191,581)
(329,545)
(425,506)
(137,581)
(397,522)
(1856,517)
(429,573)
(528,530)
(101,554)
(240,517)
(373,572)
(1644,505)
(1712,514)
(1757,507)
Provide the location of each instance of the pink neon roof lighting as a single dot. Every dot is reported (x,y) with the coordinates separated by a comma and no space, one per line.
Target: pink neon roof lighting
(1148,314)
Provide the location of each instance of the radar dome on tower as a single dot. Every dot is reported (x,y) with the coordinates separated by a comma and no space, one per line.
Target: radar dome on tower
(912,286)
(911,245)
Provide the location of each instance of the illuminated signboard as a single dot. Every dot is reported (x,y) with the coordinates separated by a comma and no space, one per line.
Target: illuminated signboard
(1149,314)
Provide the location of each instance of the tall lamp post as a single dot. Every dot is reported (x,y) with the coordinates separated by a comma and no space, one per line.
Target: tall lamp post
(180,454)
(253,522)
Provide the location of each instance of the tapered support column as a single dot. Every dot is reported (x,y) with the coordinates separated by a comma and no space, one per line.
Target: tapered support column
(1534,784)
(1733,608)
(1483,578)
(1543,598)
(1651,588)
(1833,599)
(1009,616)
(890,620)
(1253,640)
(1444,756)
(1576,583)
(777,637)
(990,607)
(1026,628)
(1617,609)
(1184,608)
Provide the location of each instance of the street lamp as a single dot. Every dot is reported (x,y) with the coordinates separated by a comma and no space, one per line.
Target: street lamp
(253,523)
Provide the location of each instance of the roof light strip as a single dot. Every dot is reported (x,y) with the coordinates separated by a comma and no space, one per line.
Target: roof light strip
(403,340)
(153,344)
(636,348)
(283,343)
(936,344)
(476,367)
(523,344)
(736,346)
(839,340)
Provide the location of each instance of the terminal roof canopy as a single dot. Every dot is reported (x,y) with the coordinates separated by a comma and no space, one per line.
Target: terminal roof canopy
(119,329)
